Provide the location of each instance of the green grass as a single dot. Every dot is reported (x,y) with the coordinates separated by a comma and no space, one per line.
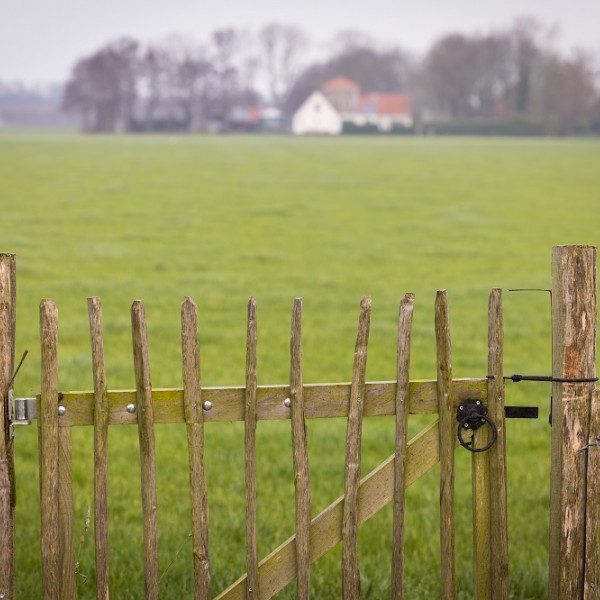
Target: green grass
(223,218)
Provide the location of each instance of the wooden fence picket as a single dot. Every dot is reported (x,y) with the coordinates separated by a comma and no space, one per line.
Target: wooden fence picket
(48,450)
(447,444)
(8,305)
(194,419)
(480,478)
(405,319)
(496,456)
(350,570)
(145,419)
(252,589)
(101,410)
(300,450)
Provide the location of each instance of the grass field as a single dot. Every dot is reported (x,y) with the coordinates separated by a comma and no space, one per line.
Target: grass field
(223,218)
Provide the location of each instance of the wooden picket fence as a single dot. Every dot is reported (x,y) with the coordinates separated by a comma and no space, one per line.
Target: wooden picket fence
(573,477)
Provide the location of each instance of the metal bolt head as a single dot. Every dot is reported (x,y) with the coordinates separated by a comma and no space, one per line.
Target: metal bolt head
(461,407)
(478,402)
(287,403)
(466,426)
(207,405)
(62,411)
(130,408)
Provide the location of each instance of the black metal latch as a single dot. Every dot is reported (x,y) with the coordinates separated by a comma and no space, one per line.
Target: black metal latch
(472,414)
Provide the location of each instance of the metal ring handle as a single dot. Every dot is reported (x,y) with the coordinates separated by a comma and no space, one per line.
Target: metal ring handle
(464,444)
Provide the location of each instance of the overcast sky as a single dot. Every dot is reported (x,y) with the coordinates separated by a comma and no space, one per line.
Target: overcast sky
(41,39)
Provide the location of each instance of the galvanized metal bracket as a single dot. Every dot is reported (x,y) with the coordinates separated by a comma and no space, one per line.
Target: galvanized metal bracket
(23,410)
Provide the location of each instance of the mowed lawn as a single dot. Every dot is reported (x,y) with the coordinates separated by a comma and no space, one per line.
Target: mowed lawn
(224,218)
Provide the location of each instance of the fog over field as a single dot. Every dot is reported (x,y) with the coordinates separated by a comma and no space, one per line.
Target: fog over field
(39,41)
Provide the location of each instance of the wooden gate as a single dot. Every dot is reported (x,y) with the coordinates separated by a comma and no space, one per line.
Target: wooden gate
(574,303)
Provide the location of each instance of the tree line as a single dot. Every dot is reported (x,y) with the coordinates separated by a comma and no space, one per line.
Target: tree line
(509,79)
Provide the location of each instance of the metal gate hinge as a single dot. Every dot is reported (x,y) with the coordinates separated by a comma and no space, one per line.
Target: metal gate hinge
(23,410)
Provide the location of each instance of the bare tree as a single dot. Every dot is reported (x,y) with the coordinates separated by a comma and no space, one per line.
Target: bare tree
(568,93)
(282,49)
(102,87)
(450,75)
(189,79)
(530,41)
(493,76)
(226,84)
(153,85)
(350,40)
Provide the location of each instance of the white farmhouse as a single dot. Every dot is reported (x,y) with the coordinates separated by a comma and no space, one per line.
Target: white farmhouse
(317,115)
(341,101)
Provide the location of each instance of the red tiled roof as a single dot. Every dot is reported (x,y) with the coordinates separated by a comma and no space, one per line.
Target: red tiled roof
(340,83)
(385,104)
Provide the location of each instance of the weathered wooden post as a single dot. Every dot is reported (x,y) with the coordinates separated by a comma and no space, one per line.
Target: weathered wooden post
(7,471)
(574,320)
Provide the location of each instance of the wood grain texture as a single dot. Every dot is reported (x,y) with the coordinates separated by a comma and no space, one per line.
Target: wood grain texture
(300,451)
(350,570)
(7,345)
(321,400)
(498,501)
(405,319)
(141,363)
(48,450)
(447,443)
(574,322)
(8,304)
(252,590)
(101,411)
(591,590)
(194,419)
(68,589)
(6,548)
(480,477)
(376,491)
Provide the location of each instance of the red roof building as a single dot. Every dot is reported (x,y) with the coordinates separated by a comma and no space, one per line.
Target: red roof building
(340,83)
(385,104)
(382,110)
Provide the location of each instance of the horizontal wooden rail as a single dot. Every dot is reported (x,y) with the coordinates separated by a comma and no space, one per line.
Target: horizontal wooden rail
(321,400)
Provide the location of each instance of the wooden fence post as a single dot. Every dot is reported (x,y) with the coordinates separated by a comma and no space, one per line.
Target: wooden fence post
(574,320)
(7,479)
(447,445)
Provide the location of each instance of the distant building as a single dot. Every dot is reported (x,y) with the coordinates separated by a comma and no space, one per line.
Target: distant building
(341,105)
(317,115)
(257,119)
